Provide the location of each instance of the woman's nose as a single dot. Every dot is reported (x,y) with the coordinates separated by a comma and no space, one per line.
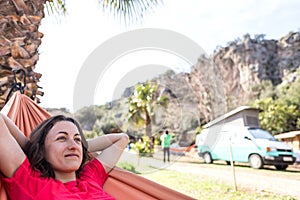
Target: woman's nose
(72,144)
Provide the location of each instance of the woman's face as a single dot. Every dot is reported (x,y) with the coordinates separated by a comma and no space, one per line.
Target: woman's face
(63,148)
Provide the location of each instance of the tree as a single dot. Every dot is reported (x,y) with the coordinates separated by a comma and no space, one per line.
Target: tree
(280,104)
(277,116)
(142,103)
(20,38)
(87,117)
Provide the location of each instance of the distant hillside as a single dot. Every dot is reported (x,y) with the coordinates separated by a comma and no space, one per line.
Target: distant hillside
(231,77)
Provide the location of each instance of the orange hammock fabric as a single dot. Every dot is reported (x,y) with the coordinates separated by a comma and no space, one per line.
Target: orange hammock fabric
(24,112)
(125,185)
(121,184)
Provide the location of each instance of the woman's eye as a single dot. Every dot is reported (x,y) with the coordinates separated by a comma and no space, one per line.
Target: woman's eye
(61,138)
(78,140)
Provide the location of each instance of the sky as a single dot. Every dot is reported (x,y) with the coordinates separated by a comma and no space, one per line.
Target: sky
(69,41)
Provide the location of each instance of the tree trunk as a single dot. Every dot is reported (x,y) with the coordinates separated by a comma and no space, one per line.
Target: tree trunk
(19,42)
(148,125)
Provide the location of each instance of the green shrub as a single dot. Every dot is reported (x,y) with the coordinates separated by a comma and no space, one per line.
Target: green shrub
(127,166)
(143,147)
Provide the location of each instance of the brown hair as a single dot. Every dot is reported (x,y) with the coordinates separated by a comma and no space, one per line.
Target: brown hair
(35,148)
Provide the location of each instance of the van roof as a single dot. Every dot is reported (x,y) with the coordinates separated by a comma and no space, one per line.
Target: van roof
(233,112)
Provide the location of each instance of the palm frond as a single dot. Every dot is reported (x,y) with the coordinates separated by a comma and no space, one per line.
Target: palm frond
(57,7)
(129,10)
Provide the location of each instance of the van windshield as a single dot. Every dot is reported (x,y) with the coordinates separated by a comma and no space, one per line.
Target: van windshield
(261,134)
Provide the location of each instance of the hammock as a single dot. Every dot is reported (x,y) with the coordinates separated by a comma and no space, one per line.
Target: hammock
(121,184)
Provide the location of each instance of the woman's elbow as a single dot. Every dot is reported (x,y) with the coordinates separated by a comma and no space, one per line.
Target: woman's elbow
(124,138)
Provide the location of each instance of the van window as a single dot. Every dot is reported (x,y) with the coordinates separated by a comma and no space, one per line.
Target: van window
(251,121)
(261,134)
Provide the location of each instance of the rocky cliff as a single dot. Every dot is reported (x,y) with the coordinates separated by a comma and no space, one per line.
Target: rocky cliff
(230,76)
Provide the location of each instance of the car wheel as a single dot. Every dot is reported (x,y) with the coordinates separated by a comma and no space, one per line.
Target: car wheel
(207,158)
(255,161)
(281,167)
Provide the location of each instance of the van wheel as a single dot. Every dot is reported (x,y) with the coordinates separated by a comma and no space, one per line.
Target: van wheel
(281,167)
(207,158)
(255,161)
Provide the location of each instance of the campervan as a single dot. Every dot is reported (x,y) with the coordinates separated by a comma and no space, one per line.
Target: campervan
(238,137)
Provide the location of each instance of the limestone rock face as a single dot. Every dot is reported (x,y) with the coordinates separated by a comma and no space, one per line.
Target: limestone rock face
(229,77)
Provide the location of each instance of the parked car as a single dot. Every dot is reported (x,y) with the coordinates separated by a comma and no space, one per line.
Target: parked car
(243,144)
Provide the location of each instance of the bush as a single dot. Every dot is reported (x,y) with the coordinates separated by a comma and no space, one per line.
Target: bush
(144,147)
(127,166)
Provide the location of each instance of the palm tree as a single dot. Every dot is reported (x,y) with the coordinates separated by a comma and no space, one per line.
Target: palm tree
(20,38)
(142,103)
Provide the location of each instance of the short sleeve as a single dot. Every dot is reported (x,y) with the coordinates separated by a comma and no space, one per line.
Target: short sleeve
(94,171)
(19,182)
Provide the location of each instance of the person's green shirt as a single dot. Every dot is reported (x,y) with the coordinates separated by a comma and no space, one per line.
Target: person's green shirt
(165,140)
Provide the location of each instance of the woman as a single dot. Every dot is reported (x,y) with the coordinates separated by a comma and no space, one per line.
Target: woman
(57,163)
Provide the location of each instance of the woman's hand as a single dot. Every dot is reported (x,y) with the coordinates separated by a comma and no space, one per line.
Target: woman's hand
(111,147)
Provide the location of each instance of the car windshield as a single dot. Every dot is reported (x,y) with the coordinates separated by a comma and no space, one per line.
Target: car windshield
(261,134)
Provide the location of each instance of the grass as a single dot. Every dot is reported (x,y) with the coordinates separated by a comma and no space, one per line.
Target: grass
(193,186)
(200,188)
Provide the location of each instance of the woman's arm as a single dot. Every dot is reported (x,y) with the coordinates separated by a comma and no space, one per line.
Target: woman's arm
(11,154)
(15,131)
(111,147)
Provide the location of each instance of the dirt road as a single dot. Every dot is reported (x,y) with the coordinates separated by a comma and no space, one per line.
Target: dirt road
(270,180)
(284,183)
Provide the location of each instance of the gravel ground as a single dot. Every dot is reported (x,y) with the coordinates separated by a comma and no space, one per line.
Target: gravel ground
(257,180)
(270,180)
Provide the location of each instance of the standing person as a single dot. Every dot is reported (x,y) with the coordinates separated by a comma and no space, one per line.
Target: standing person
(165,144)
(58,162)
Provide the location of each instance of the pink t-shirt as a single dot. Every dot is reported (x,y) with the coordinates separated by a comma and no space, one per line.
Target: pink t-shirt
(27,184)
